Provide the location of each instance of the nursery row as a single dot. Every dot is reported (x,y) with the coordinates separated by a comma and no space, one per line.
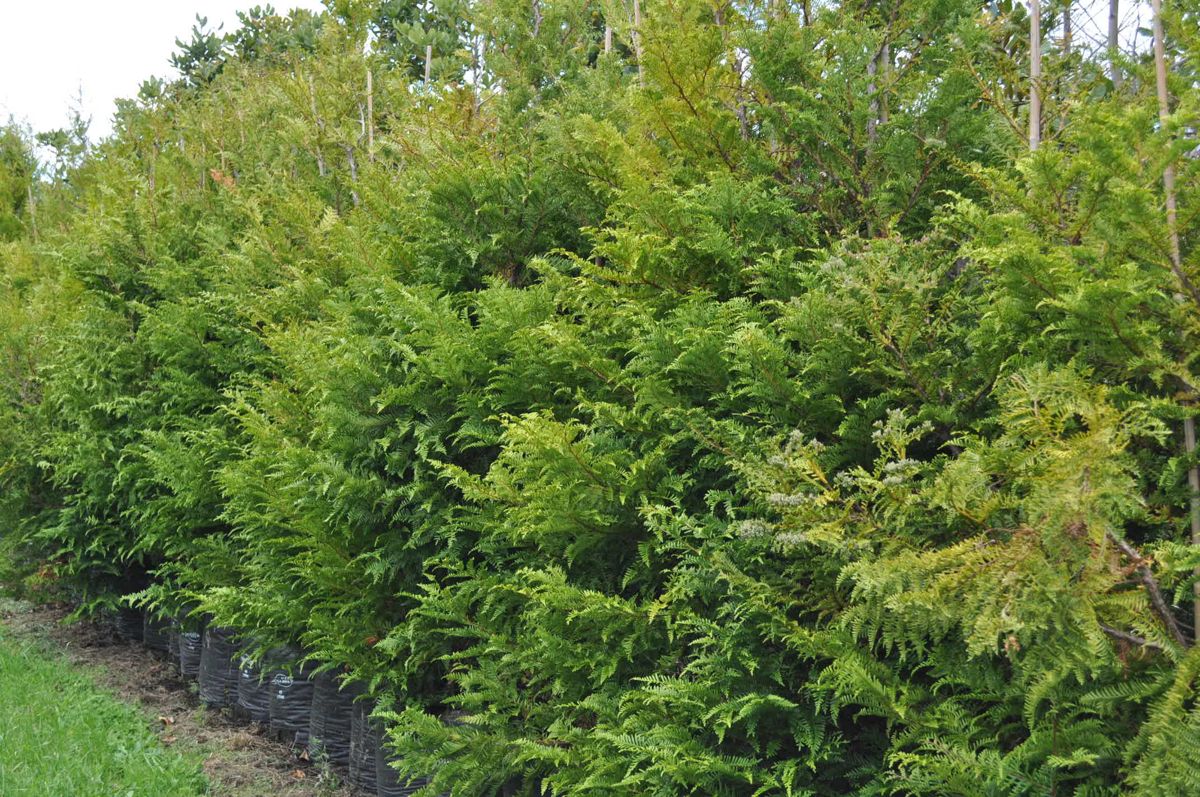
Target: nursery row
(328,721)
(763,398)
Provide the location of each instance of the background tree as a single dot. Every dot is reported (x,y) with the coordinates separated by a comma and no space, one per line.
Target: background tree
(18,169)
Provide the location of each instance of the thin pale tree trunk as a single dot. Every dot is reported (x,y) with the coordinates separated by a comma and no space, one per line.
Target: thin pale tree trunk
(873,109)
(1164,113)
(1189,424)
(428,47)
(1114,30)
(32,211)
(1035,74)
(1066,45)
(637,41)
(477,66)
(370,115)
(353,163)
(312,96)
(1189,445)
(1064,81)
(885,68)
(877,71)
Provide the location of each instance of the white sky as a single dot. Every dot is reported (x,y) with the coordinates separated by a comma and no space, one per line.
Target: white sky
(50,49)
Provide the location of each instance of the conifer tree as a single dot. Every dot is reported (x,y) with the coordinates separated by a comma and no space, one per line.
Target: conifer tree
(656,398)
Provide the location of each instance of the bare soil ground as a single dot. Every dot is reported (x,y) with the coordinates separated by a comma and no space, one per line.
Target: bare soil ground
(239,759)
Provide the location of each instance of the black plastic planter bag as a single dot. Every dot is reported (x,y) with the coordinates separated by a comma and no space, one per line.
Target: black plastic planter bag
(388,782)
(291,705)
(364,742)
(329,723)
(154,633)
(191,643)
(218,667)
(128,624)
(173,645)
(254,691)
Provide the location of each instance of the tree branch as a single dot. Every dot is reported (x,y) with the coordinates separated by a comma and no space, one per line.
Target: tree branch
(1161,608)
(1132,639)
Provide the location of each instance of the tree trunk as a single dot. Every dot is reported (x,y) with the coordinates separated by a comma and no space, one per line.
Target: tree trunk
(1164,112)
(312,95)
(877,71)
(1035,74)
(1114,29)
(32,211)
(1066,41)
(1189,444)
(353,163)
(637,41)
(478,64)
(370,115)
(873,107)
(1064,80)
(1189,425)
(885,68)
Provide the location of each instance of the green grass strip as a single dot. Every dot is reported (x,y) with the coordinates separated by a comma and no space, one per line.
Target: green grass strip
(60,736)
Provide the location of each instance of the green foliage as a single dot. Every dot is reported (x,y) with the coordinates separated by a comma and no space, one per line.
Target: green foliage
(737,409)
(200,60)
(17,167)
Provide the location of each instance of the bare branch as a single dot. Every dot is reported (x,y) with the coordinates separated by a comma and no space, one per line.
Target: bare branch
(1161,607)
(1132,639)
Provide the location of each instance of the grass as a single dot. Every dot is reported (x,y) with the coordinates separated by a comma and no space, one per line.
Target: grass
(61,736)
